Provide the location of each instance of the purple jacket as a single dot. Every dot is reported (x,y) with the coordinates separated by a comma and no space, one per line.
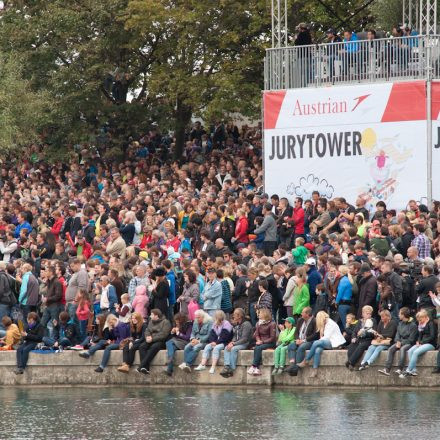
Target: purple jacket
(221,334)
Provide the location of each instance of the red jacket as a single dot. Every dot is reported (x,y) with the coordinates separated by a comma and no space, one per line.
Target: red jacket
(56,228)
(241,230)
(298,220)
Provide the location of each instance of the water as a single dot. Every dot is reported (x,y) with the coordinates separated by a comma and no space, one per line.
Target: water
(183,413)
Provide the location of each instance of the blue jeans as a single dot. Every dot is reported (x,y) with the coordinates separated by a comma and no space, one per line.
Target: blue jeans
(343,310)
(71,310)
(49,342)
(372,353)
(23,353)
(4,311)
(230,356)
(100,345)
(83,329)
(297,353)
(50,313)
(258,353)
(253,314)
(414,352)
(190,352)
(216,350)
(107,353)
(315,351)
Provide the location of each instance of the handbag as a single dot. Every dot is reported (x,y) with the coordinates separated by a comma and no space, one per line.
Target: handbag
(192,308)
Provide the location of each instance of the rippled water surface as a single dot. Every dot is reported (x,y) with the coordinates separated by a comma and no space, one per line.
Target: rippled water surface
(183,413)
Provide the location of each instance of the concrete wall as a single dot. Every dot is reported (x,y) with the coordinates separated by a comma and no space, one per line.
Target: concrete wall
(68,368)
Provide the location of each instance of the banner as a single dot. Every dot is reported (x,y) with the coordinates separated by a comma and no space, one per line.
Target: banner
(368,139)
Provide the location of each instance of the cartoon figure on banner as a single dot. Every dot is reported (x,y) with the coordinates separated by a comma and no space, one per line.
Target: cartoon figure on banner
(385,158)
(308,184)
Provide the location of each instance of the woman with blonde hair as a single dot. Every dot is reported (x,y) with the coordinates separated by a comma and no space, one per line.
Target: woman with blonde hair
(345,294)
(330,337)
(219,336)
(131,344)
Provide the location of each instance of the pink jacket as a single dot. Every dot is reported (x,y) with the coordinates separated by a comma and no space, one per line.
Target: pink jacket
(140,301)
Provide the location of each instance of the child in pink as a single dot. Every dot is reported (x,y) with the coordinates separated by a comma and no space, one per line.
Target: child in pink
(141,301)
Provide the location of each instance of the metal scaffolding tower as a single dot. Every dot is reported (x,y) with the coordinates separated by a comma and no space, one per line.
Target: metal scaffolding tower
(419,14)
(279,23)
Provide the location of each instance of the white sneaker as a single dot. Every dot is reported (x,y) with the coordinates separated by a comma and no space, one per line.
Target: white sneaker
(212,370)
(398,371)
(200,368)
(182,365)
(256,372)
(251,370)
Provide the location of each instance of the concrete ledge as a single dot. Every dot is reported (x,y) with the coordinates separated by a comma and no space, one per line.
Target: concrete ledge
(68,368)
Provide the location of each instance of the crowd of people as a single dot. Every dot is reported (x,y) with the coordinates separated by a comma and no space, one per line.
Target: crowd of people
(151,253)
(349,55)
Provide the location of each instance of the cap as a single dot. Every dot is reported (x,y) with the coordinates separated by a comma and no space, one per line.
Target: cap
(290,319)
(311,262)
(309,246)
(143,254)
(331,31)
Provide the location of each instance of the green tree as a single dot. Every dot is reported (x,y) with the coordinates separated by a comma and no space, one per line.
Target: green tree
(23,112)
(210,60)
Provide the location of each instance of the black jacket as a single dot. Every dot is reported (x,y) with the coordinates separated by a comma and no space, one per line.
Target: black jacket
(407,332)
(426,285)
(428,335)
(367,293)
(311,333)
(54,292)
(160,297)
(35,334)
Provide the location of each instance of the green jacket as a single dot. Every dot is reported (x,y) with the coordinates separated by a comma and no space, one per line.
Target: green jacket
(286,336)
(301,299)
(300,254)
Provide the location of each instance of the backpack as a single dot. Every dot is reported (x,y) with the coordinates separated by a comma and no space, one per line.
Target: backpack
(8,298)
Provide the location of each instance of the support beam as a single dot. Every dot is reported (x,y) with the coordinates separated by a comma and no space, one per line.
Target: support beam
(279,23)
(427,17)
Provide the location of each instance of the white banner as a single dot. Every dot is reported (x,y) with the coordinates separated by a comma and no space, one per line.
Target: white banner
(348,141)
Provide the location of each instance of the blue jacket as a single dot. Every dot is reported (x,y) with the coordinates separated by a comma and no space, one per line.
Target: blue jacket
(19,227)
(351,45)
(313,279)
(212,295)
(171,277)
(345,290)
(201,332)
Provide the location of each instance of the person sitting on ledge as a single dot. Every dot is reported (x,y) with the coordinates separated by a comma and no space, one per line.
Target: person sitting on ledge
(330,337)
(305,335)
(157,332)
(265,336)
(406,337)
(386,331)
(199,338)
(180,333)
(363,334)
(241,338)
(219,336)
(426,341)
(64,333)
(31,337)
(12,337)
(131,345)
(287,333)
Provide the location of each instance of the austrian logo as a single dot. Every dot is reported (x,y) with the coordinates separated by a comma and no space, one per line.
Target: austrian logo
(328,107)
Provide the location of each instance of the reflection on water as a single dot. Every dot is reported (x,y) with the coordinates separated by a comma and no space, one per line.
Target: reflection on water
(179,413)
